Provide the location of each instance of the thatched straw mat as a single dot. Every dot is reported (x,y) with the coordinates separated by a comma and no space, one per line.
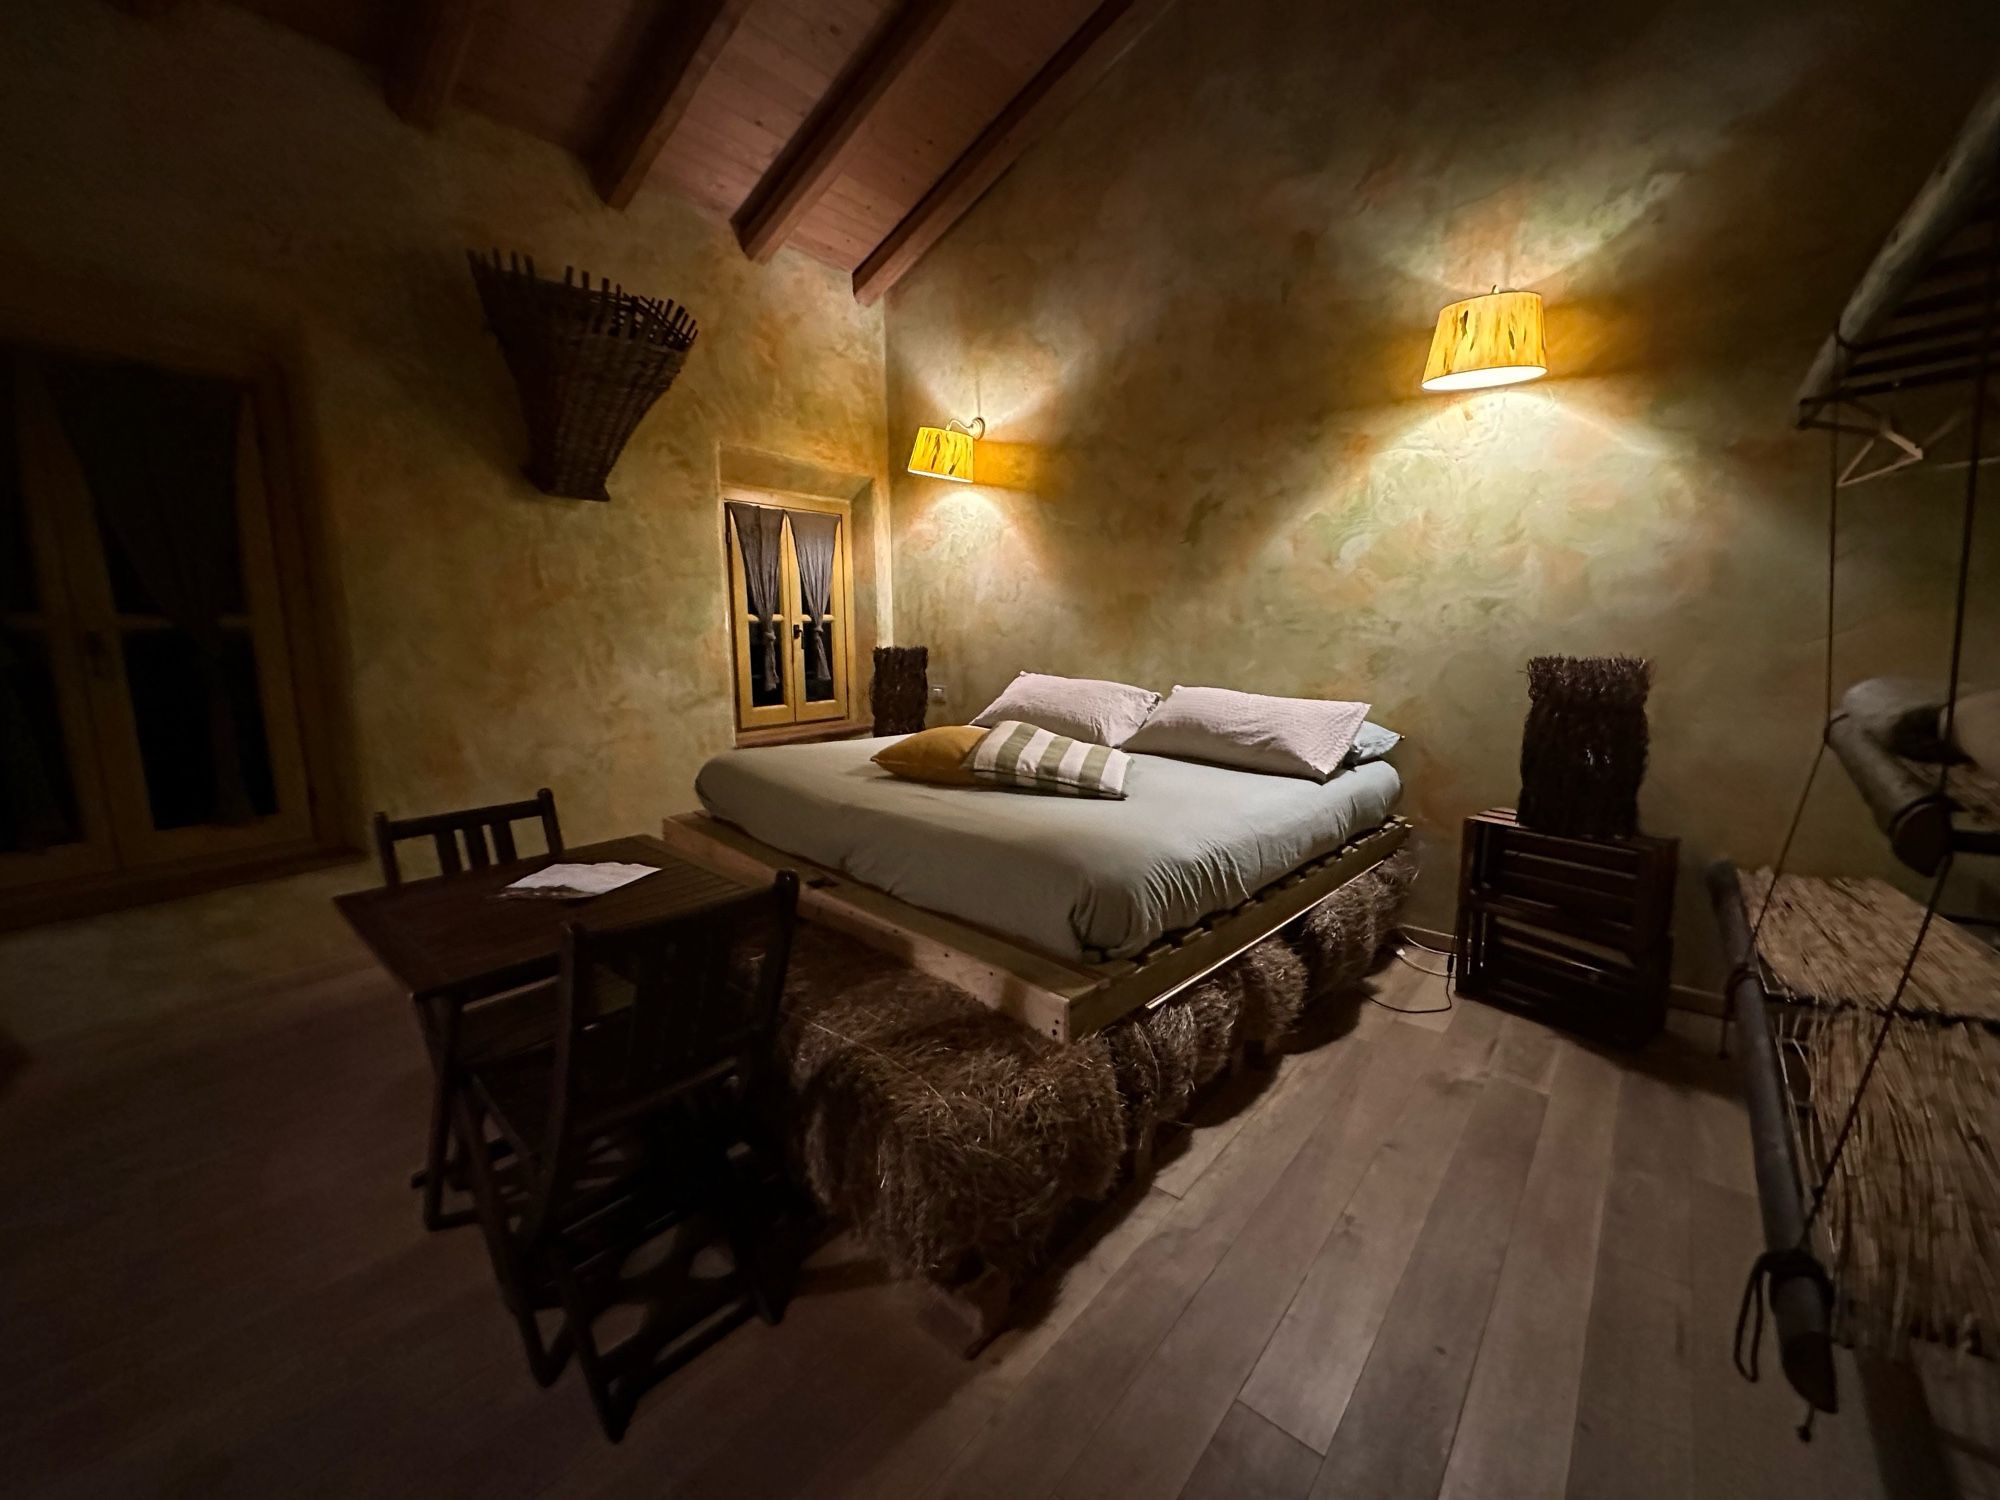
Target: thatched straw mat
(1912,1216)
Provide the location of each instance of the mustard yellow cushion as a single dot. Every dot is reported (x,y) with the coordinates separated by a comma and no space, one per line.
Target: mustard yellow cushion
(934,755)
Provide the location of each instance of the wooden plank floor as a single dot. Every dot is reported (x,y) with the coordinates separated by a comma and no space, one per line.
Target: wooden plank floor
(1450,1253)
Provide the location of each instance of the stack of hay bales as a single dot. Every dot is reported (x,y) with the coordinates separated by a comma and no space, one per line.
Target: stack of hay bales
(949,1136)
(941,1130)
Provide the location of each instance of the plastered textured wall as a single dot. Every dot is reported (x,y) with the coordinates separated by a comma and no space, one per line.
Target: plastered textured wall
(491,640)
(1195,317)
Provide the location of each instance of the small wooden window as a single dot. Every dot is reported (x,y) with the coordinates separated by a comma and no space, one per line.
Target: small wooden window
(792,668)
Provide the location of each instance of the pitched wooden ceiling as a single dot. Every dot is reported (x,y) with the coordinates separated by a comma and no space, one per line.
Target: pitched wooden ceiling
(857,131)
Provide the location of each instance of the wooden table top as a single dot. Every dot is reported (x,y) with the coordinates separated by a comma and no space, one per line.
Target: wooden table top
(453,933)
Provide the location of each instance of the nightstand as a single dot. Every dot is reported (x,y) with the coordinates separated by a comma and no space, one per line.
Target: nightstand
(1576,932)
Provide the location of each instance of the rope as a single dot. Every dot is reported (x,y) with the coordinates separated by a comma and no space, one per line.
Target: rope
(1889,1014)
(1797,1259)
(1772,1266)
(1749,960)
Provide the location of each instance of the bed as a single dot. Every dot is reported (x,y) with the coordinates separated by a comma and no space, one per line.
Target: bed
(1084,880)
(1065,912)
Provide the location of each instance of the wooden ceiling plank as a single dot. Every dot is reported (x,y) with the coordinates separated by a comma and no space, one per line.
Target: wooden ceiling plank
(421,81)
(812,161)
(1076,68)
(640,127)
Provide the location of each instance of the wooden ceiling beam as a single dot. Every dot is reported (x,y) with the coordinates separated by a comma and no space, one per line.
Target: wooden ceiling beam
(684,51)
(814,157)
(433,49)
(1077,67)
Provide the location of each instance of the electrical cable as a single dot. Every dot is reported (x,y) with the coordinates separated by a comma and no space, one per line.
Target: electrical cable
(1404,942)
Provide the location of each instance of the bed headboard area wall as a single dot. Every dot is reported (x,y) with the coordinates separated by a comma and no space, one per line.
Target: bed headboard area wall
(1195,317)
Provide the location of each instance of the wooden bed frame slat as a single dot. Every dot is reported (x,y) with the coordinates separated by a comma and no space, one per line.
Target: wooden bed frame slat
(1058,997)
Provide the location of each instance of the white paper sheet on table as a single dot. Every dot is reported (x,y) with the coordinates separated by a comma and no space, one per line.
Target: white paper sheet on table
(579,880)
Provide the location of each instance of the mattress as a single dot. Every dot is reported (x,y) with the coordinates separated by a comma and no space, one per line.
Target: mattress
(1079,878)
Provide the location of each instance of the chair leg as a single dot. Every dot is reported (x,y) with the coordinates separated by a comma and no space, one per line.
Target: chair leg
(727,1195)
(614,1412)
(545,1359)
(444,1056)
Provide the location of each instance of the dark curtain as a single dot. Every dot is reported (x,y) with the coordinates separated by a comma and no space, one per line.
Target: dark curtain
(759,532)
(813,534)
(159,454)
(32,815)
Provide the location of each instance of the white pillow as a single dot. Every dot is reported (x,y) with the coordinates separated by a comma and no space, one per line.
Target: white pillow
(1287,736)
(1083,708)
(1976,728)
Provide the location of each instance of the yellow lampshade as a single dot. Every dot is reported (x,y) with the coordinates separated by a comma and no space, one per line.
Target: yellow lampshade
(942,454)
(1490,340)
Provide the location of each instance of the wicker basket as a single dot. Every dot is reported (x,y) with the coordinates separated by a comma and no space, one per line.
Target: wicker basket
(1583,749)
(588,363)
(901,688)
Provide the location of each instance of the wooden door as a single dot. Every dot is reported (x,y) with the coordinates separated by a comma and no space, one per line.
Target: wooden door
(196,740)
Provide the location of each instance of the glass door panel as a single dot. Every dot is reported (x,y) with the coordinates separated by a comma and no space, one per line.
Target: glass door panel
(52,823)
(165,535)
(764,668)
(815,559)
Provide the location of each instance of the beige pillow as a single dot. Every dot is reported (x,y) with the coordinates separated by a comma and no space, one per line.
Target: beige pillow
(1976,729)
(939,756)
(1078,708)
(1252,732)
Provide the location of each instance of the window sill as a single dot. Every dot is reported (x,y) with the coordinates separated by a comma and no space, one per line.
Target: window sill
(802,734)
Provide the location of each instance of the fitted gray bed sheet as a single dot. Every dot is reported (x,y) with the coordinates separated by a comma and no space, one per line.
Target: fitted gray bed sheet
(1072,876)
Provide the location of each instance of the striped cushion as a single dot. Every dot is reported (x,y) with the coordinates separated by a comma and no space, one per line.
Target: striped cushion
(1021,755)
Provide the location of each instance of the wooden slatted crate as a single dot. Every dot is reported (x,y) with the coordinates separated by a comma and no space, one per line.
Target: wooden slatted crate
(1576,932)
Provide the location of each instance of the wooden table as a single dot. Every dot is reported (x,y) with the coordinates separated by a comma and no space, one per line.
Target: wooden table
(453,939)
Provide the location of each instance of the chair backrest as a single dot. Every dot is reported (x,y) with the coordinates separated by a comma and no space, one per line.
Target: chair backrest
(650,1012)
(470,828)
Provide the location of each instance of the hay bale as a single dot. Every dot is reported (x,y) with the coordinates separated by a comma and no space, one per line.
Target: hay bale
(1163,1055)
(1276,985)
(1340,938)
(945,1132)
(940,1129)
(1140,1073)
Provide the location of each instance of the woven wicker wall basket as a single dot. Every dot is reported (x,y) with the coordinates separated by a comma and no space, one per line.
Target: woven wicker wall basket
(588,363)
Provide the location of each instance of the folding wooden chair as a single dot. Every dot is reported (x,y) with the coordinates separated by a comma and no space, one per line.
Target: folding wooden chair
(471,829)
(475,1026)
(643,1117)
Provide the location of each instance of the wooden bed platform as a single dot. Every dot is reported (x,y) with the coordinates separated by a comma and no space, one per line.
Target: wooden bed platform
(1061,998)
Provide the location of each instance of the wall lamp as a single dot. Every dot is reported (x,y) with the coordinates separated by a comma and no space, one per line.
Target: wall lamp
(946,452)
(1490,340)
